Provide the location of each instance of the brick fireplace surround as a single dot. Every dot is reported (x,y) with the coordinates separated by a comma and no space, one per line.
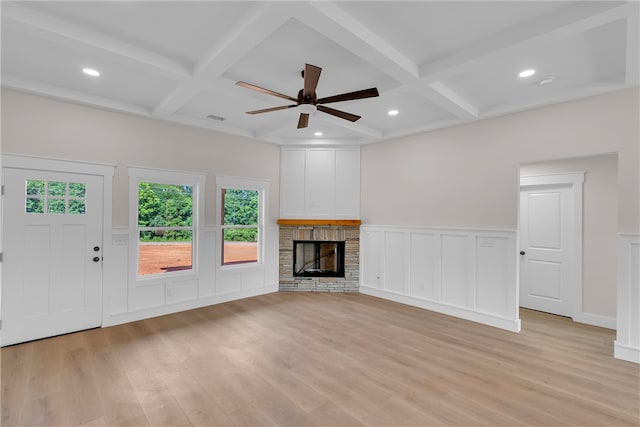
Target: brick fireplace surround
(347,231)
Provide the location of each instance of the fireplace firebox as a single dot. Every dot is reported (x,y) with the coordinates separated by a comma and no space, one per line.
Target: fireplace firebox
(318,259)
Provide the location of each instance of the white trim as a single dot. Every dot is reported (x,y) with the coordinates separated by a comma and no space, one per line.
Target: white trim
(163,176)
(512,325)
(596,320)
(146,313)
(623,352)
(627,344)
(18,161)
(262,187)
(576,180)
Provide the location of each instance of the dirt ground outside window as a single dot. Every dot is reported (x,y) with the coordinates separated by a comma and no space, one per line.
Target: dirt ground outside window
(157,258)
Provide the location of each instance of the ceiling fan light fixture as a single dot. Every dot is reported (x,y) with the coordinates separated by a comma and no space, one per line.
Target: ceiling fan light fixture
(91,72)
(393,112)
(526,73)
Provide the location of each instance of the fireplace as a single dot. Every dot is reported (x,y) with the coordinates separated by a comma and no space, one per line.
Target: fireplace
(318,259)
(319,255)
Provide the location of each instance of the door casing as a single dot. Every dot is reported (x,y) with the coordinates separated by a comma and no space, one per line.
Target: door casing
(106,171)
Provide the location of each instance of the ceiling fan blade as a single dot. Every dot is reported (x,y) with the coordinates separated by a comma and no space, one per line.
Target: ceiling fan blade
(311,77)
(359,94)
(266,110)
(303,121)
(338,113)
(267,91)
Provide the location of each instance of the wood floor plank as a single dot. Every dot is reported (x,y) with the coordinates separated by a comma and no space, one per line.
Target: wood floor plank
(311,359)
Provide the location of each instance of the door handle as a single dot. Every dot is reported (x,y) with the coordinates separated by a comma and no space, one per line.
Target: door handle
(522,252)
(96,258)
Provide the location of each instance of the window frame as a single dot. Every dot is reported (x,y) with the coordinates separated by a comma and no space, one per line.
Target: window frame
(161,176)
(237,183)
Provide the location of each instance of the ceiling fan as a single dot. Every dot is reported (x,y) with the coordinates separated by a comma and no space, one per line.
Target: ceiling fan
(307,96)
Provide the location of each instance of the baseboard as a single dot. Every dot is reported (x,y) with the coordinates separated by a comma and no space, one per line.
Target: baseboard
(596,320)
(147,313)
(624,352)
(512,325)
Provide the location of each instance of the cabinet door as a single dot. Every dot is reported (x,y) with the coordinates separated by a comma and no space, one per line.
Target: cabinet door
(348,183)
(292,184)
(321,183)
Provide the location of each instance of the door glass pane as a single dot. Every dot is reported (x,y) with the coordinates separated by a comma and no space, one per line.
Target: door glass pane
(240,245)
(57,188)
(35,188)
(77,189)
(56,206)
(34,205)
(164,256)
(77,206)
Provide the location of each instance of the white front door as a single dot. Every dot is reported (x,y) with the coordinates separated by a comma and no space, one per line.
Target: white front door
(547,248)
(52,266)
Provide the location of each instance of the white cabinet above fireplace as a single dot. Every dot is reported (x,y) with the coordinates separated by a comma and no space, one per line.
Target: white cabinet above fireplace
(317,183)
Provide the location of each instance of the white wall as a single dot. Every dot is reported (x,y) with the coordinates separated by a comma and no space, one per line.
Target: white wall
(37,126)
(600,227)
(468,176)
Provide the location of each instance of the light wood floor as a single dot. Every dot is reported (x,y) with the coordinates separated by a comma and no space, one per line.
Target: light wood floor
(300,359)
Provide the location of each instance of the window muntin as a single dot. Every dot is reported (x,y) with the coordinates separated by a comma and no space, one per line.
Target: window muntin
(240,225)
(55,197)
(165,228)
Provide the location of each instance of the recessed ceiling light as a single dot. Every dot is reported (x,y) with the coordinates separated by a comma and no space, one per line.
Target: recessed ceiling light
(393,112)
(527,73)
(91,72)
(317,133)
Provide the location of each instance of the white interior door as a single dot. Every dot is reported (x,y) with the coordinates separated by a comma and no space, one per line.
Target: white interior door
(52,272)
(547,216)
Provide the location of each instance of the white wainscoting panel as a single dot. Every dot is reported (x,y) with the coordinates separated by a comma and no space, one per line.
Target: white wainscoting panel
(470,274)
(423,274)
(127,301)
(627,344)
(371,243)
(394,263)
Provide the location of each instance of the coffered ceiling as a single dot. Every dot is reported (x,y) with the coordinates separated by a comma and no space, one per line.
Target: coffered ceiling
(437,63)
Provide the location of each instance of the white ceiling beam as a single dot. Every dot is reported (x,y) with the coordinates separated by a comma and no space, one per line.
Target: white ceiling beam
(547,28)
(209,125)
(68,95)
(356,128)
(29,21)
(334,23)
(262,20)
(602,87)
(443,96)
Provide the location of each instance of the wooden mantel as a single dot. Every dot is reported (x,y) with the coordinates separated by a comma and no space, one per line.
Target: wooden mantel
(320,222)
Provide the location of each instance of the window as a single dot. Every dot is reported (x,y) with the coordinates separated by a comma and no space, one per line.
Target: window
(55,197)
(166,221)
(241,220)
